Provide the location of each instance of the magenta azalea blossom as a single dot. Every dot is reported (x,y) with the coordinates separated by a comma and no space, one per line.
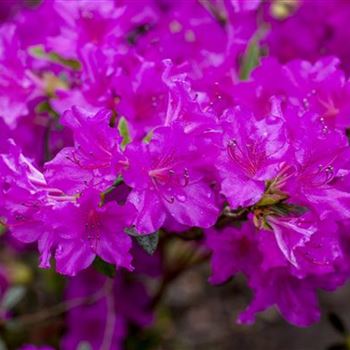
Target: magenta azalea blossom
(129,128)
(84,22)
(270,272)
(252,152)
(117,303)
(91,230)
(87,162)
(164,173)
(17,82)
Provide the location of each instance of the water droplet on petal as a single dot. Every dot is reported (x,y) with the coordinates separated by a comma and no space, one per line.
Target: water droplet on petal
(59,250)
(325,129)
(181,198)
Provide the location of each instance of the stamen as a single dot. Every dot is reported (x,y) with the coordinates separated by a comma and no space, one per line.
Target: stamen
(164,178)
(323,175)
(250,159)
(76,161)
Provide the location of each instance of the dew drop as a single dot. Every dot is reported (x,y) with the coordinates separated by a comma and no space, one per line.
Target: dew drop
(181,198)
(59,250)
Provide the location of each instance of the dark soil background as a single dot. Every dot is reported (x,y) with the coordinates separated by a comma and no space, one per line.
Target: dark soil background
(202,317)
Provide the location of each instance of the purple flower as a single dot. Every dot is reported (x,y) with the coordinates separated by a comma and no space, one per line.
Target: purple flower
(241,5)
(105,321)
(85,230)
(165,182)
(271,151)
(85,22)
(24,193)
(17,82)
(128,86)
(318,177)
(252,152)
(76,227)
(296,299)
(234,250)
(87,163)
(309,30)
(264,258)
(320,89)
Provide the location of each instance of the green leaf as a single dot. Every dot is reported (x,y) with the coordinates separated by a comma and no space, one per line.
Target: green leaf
(37,51)
(271,199)
(110,189)
(148,137)
(131,231)
(2,228)
(40,53)
(148,242)
(286,209)
(250,59)
(105,268)
(12,297)
(43,107)
(124,132)
(253,52)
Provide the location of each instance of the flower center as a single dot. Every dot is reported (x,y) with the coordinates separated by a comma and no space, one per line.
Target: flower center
(249,157)
(93,229)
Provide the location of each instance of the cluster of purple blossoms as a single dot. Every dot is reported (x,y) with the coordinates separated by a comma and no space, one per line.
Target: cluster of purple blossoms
(122,119)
